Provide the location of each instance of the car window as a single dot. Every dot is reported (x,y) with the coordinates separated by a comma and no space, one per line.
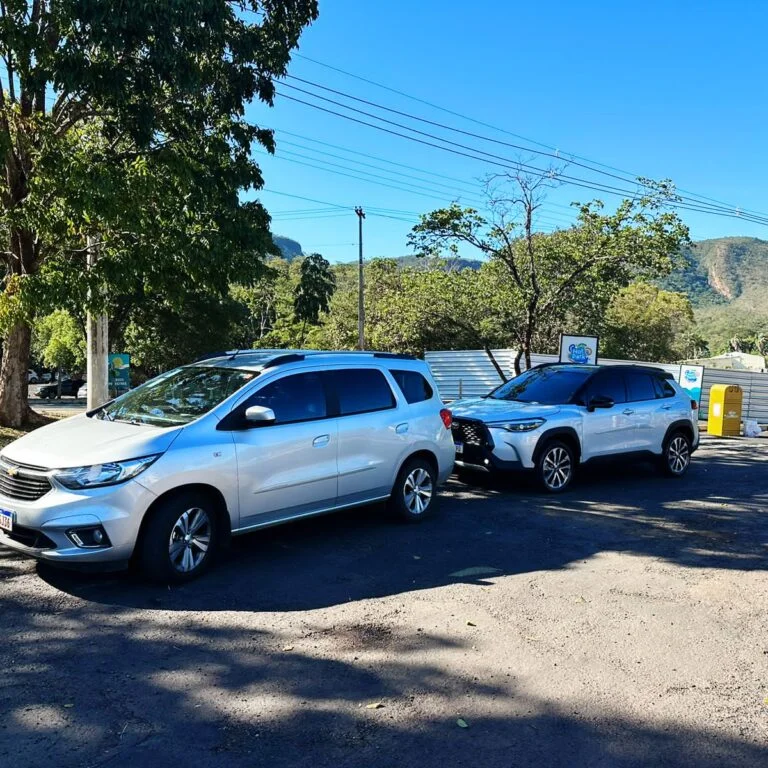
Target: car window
(548,385)
(663,387)
(609,384)
(640,386)
(300,397)
(361,390)
(413,385)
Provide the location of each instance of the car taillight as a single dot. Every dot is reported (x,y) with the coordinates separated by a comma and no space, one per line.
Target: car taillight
(694,405)
(447,417)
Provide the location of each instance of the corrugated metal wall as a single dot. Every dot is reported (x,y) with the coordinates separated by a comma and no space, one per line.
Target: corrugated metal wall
(470,373)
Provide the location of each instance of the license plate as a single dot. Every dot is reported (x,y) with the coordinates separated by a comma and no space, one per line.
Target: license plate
(6,520)
(459,448)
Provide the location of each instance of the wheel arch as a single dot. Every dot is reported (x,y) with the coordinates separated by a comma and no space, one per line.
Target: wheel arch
(223,520)
(566,434)
(421,453)
(682,425)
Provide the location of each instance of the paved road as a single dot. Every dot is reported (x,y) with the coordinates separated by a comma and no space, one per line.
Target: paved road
(623,624)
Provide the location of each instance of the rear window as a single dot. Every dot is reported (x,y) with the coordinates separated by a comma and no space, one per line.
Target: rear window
(361,390)
(663,387)
(413,385)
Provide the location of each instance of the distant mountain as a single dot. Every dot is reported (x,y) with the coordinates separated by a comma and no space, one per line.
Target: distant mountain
(725,270)
(289,248)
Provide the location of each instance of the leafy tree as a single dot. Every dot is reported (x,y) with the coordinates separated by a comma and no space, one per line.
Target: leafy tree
(545,275)
(152,97)
(644,322)
(58,341)
(313,293)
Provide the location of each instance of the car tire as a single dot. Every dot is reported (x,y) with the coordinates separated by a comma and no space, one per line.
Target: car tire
(555,466)
(414,495)
(179,541)
(676,458)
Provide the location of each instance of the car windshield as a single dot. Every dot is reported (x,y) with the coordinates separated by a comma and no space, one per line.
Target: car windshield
(545,386)
(176,397)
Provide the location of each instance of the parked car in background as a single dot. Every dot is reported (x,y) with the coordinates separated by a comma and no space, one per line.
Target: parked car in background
(556,416)
(82,393)
(69,388)
(32,377)
(166,473)
(46,377)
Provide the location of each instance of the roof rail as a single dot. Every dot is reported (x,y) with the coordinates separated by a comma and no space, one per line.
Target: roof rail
(394,356)
(282,360)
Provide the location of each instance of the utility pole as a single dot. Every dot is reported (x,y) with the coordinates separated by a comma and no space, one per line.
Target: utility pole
(360,286)
(97,364)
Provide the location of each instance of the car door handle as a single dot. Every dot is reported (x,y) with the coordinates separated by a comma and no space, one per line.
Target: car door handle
(401,429)
(627,411)
(666,407)
(321,440)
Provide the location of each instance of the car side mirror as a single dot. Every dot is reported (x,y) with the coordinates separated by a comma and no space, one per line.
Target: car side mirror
(259,416)
(600,401)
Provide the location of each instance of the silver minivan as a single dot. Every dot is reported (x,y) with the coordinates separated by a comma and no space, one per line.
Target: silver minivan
(165,474)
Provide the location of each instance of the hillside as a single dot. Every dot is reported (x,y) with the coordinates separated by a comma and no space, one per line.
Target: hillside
(725,270)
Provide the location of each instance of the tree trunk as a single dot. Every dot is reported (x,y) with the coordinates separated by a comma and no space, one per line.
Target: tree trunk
(14,403)
(495,363)
(518,355)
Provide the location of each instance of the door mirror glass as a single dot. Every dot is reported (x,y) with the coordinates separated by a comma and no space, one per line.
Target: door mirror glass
(601,401)
(259,415)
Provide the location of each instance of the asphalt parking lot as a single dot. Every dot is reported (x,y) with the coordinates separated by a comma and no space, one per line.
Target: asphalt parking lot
(622,624)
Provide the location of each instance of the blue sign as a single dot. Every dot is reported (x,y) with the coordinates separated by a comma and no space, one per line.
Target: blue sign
(690,379)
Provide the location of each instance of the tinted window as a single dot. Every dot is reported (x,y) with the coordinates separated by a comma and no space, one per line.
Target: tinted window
(361,391)
(547,385)
(609,384)
(413,385)
(640,386)
(294,398)
(663,387)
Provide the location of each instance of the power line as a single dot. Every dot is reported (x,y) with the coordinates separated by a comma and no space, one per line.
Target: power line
(504,162)
(475,121)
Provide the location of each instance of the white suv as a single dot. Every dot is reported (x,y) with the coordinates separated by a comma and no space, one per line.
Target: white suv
(556,416)
(166,473)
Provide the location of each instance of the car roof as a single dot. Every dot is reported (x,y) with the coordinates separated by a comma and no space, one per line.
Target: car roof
(260,359)
(616,367)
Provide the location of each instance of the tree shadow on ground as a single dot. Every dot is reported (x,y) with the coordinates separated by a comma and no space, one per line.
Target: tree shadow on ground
(715,517)
(97,687)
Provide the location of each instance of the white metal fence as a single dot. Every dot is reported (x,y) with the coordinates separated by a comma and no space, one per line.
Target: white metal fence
(469,373)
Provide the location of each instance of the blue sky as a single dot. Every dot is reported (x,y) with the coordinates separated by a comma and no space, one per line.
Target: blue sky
(666,90)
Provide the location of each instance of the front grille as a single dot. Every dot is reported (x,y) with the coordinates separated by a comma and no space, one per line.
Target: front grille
(18,481)
(469,432)
(30,538)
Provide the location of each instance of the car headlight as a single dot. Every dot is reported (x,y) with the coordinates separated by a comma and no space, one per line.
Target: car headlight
(528,425)
(97,475)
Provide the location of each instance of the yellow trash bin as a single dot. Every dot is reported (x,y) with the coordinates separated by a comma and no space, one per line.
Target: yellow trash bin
(725,410)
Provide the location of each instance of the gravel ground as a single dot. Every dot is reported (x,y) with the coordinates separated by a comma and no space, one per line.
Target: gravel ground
(622,624)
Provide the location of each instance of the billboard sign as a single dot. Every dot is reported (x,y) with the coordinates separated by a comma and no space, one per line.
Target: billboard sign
(578,349)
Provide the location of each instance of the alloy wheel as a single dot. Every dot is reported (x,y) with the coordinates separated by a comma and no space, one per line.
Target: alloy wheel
(417,491)
(678,455)
(557,468)
(190,539)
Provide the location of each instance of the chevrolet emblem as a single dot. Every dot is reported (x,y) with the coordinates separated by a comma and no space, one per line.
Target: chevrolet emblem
(12,471)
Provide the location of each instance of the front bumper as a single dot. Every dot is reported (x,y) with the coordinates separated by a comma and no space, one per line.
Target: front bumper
(487,448)
(40,527)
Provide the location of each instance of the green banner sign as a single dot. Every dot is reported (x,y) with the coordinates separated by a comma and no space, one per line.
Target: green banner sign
(119,373)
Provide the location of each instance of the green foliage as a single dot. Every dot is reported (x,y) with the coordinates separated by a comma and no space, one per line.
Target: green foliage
(570,273)
(59,341)
(644,322)
(314,290)
(126,124)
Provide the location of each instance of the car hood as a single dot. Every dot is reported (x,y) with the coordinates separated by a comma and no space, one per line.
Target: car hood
(489,409)
(81,441)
